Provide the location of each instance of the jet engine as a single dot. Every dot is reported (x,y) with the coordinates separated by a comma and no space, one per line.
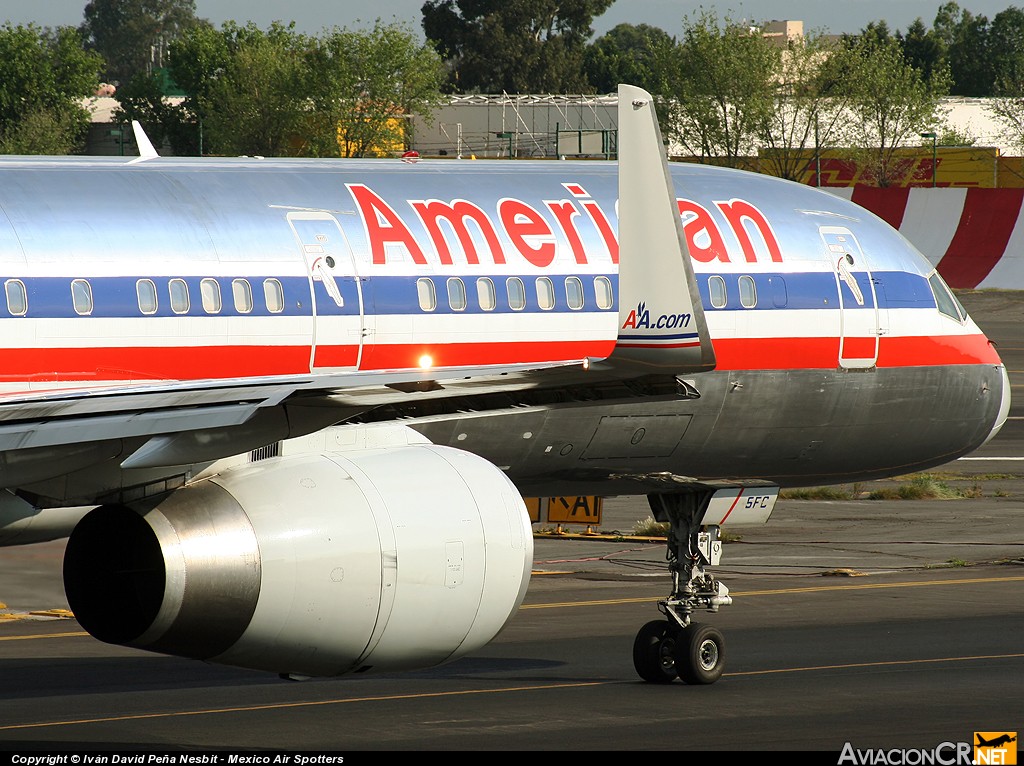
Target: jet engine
(311,565)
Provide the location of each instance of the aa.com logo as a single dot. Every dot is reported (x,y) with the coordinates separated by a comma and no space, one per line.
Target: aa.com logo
(995,747)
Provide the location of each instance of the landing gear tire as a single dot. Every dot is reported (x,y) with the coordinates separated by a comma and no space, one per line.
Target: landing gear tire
(654,652)
(699,654)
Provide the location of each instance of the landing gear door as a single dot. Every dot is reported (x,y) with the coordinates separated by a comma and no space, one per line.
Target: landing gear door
(335,291)
(858,304)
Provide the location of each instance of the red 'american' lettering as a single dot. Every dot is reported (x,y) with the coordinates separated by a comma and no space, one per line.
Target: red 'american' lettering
(462,229)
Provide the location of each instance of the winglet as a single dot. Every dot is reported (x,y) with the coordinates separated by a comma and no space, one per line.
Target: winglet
(146,149)
(661,319)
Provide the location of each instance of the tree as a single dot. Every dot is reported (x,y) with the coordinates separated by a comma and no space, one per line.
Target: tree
(278,92)
(890,103)
(923,49)
(128,32)
(143,99)
(966,39)
(367,85)
(1009,113)
(627,53)
(1006,42)
(249,88)
(44,76)
(513,46)
(719,92)
(807,109)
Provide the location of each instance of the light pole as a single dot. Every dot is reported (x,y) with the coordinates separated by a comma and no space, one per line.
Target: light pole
(934,138)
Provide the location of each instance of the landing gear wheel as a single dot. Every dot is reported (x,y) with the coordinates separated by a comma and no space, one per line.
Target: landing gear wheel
(654,652)
(699,654)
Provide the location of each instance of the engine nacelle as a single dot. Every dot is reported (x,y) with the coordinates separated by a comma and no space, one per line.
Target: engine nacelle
(311,565)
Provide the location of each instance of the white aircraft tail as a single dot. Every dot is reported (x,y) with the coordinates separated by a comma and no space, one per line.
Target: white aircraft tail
(661,319)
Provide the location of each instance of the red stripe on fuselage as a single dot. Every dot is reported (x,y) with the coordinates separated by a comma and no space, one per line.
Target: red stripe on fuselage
(823,353)
(404,356)
(89,365)
(151,363)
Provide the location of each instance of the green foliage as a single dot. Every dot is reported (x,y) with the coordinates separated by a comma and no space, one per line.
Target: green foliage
(807,110)
(366,85)
(966,41)
(513,46)
(1006,43)
(255,102)
(44,77)
(888,100)
(142,99)
(720,84)
(126,32)
(924,50)
(978,57)
(633,54)
(278,92)
(1009,113)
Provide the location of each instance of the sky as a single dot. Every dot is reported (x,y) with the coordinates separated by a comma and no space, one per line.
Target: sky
(313,15)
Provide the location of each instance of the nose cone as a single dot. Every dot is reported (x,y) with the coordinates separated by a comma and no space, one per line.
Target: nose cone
(1004,404)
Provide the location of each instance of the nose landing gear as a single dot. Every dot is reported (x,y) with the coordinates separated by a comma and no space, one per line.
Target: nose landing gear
(677,647)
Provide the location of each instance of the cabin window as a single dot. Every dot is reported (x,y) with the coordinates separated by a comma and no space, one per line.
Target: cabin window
(603,292)
(545,293)
(241,291)
(179,296)
(945,301)
(719,295)
(426,293)
(146,290)
(516,293)
(457,294)
(485,294)
(779,294)
(748,293)
(17,297)
(574,293)
(273,294)
(209,291)
(81,296)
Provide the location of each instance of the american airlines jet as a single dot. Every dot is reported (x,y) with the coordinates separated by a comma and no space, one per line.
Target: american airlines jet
(298,403)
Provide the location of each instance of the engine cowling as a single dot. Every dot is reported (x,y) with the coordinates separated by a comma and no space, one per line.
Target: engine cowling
(311,565)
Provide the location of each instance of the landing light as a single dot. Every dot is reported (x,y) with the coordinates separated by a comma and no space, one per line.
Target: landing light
(426,362)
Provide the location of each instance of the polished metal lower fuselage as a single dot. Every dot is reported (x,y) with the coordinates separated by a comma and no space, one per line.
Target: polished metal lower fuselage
(791,428)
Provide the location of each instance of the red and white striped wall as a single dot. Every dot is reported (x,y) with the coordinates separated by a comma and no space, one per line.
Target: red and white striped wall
(974,236)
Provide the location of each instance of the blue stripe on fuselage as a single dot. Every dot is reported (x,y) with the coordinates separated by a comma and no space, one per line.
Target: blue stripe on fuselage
(116,297)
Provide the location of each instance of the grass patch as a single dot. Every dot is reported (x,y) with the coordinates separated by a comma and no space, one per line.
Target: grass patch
(925,487)
(843,492)
(957,476)
(650,528)
(917,486)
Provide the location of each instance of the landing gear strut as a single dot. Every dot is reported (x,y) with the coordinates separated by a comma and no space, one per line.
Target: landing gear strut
(676,646)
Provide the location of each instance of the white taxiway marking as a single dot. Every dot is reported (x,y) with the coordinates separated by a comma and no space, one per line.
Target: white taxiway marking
(991,458)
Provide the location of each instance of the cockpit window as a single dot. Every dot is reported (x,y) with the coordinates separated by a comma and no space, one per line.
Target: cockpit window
(945,300)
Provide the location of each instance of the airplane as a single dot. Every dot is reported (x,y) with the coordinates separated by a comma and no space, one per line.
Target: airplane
(287,410)
(1002,739)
